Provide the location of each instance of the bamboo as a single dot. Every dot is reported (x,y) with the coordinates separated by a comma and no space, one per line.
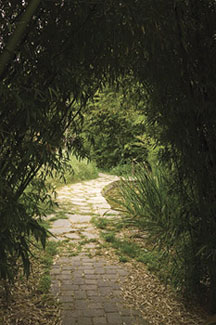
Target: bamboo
(17,36)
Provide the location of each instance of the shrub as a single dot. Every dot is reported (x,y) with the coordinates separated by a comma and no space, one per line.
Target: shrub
(150,201)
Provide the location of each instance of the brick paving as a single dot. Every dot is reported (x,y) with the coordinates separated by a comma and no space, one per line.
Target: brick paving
(89,288)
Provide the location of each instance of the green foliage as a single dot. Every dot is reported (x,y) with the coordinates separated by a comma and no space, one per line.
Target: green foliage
(127,249)
(46,260)
(121,170)
(46,82)
(148,197)
(52,248)
(18,224)
(113,130)
(82,170)
(180,79)
(123,259)
(100,223)
(45,282)
(151,203)
(58,216)
(62,59)
(74,170)
(109,237)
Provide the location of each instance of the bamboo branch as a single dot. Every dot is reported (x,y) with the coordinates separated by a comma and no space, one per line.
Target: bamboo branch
(17,36)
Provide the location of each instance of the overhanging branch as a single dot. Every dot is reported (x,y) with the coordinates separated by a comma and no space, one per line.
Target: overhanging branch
(17,36)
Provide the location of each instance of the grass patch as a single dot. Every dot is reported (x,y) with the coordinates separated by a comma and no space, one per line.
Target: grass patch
(46,261)
(104,223)
(45,283)
(152,259)
(127,249)
(88,241)
(101,223)
(58,215)
(75,248)
(123,259)
(75,170)
(72,249)
(109,237)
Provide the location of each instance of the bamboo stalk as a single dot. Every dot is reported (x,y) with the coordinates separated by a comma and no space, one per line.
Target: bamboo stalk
(17,36)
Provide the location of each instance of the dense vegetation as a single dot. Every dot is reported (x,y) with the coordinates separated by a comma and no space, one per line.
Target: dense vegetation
(114,130)
(56,55)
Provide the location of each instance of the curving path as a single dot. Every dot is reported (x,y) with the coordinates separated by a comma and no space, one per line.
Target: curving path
(88,285)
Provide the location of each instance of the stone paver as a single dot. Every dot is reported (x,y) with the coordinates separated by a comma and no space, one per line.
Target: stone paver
(89,288)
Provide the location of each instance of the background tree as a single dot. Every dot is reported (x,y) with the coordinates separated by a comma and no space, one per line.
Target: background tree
(113,130)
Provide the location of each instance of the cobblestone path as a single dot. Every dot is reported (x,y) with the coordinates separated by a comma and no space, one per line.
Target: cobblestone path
(88,286)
